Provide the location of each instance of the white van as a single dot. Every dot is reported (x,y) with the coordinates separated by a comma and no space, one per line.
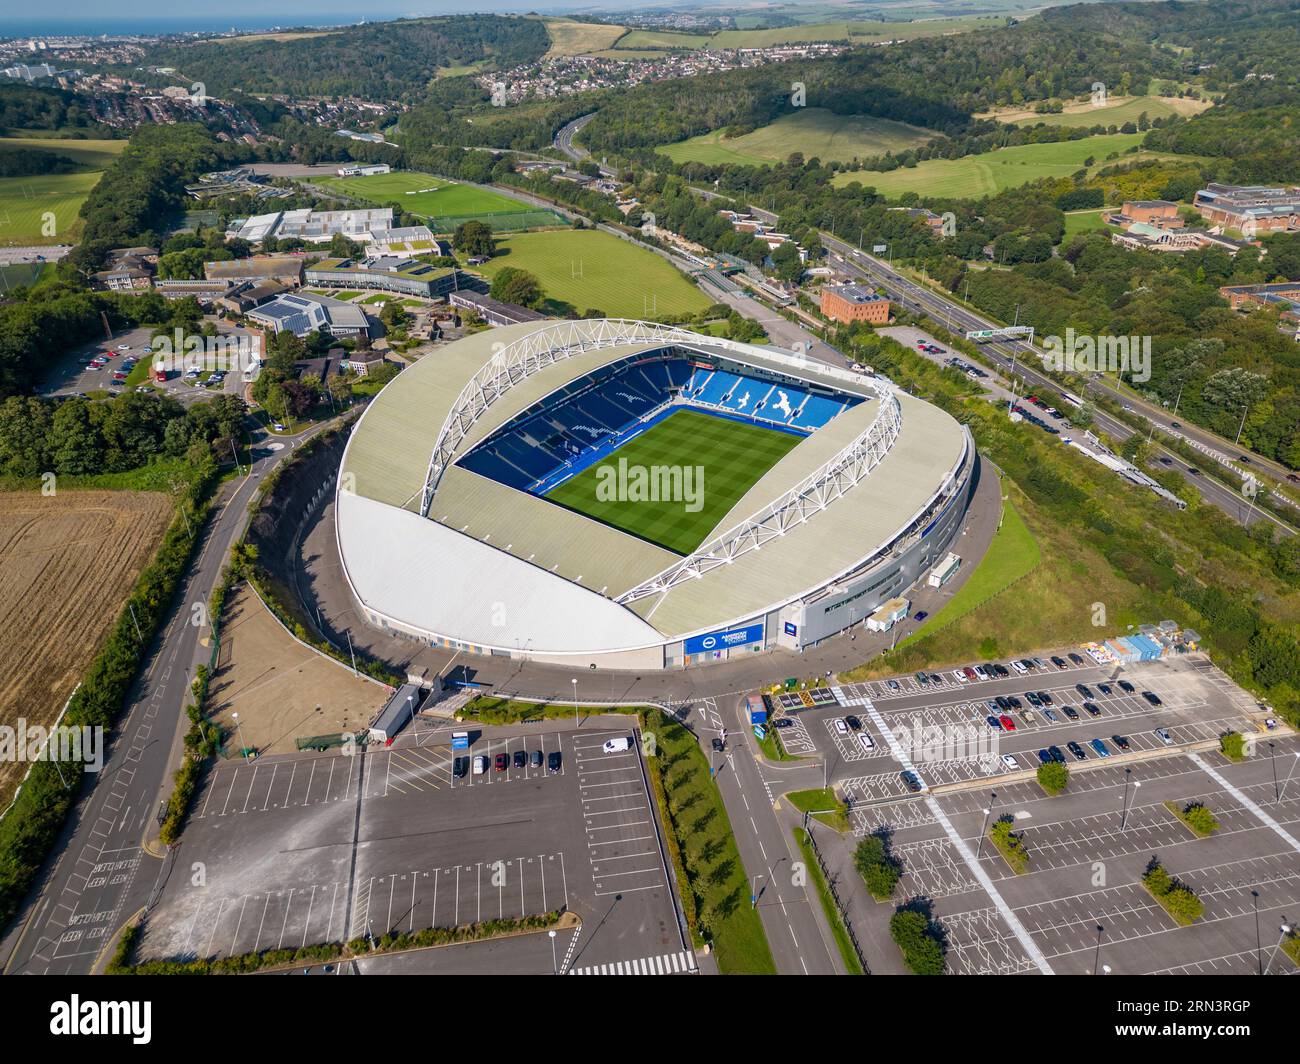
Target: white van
(480,765)
(615,746)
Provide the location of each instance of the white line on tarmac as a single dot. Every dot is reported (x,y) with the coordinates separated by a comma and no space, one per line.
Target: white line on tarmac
(1246,802)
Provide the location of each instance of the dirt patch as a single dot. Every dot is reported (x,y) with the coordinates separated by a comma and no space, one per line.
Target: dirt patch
(281,690)
(67,563)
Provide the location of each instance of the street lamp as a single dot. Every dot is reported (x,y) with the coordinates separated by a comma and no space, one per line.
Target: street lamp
(1096,957)
(753,892)
(1123,820)
(1259,948)
(1272,757)
(576,715)
(993,797)
(555,966)
(1284,929)
(1289,774)
(239,730)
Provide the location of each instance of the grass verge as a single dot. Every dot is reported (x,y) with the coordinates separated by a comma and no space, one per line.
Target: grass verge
(839,932)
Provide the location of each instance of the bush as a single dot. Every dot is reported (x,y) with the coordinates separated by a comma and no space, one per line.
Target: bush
(1009,845)
(1232,745)
(1179,900)
(1053,777)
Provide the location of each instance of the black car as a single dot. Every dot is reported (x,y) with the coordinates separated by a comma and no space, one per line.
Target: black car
(1033,699)
(1001,670)
(1059,662)
(1070,712)
(1104,688)
(920,615)
(1194,471)
(911,780)
(521,759)
(1126,687)
(553,761)
(1083,689)
(719,745)
(1002,703)
(1119,741)
(1029,665)
(536,759)
(460,767)
(1014,701)
(1093,709)
(853,722)
(1076,658)
(1045,698)
(1057,756)
(1152,697)
(1076,750)
(783,722)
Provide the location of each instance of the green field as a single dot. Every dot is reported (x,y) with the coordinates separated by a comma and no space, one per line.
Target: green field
(24,202)
(729,456)
(1084,221)
(845,30)
(814,131)
(89,154)
(423,194)
(992,172)
(592,270)
(1116,113)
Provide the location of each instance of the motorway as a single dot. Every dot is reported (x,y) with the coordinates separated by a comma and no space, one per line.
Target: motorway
(108,863)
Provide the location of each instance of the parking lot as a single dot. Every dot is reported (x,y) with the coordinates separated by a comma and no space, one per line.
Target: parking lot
(309,848)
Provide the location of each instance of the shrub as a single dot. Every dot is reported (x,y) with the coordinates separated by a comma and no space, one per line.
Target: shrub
(880,870)
(1232,745)
(1053,777)
(916,936)
(1009,844)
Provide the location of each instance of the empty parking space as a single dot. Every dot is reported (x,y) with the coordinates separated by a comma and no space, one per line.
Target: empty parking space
(622,844)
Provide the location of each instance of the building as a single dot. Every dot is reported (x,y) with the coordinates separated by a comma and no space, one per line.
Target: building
(493,311)
(248,295)
(364,170)
(127,270)
(284,269)
(313,227)
(300,314)
(362,362)
(1282,295)
(1159,214)
(449,537)
(388,273)
(1250,208)
(397,713)
(203,291)
(847,303)
(1141,236)
(407,238)
(934,222)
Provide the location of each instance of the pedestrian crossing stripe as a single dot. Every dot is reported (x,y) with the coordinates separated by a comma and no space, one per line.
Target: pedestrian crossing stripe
(667,964)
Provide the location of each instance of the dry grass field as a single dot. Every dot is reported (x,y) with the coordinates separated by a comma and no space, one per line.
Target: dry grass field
(281,689)
(67,563)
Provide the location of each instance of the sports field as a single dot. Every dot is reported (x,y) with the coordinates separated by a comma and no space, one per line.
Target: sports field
(24,202)
(994,171)
(718,461)
(441,201)
(90,154)
(592,270)
(814,131)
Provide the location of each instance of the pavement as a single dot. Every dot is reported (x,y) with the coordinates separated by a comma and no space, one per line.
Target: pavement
(105,866)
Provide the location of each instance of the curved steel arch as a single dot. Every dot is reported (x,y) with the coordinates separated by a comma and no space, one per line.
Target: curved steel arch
(529,354)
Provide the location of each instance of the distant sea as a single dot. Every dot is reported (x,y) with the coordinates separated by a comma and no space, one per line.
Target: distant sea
(56,27)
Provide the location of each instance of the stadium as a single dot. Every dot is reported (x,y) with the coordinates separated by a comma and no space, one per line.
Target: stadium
(620,494)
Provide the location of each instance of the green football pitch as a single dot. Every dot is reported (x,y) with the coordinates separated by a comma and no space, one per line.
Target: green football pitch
(726,457)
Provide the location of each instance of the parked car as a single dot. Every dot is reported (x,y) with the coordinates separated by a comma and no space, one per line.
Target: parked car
(1019,666)
(459,767)
(1093,709)
(1001,670)
(866,741)
(535,759)
(911,780)
(1152,697)
(1045,757)
(893,685)
(1120,741)
(1045,698)
(783,722)
(961,677)
(1104,688)
(1163,735)
(841,726)
(1076,750)
(501,763)
(920,615)
(1100,747)
(1002,702)
(1057,756)
(853,722)
(1051,716)
(553,761)
(1077,659)
(719,745)
(480,765)
(1059,662)
(521,759)
(1126,687)
(1010,761)
(922,679)
(1070,712)
(1007,723)
(994,723)
(1033,698)
(979,672)
(1083,689)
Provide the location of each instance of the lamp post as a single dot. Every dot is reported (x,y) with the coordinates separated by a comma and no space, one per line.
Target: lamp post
(993,797)
(1259,948)
(1123,819)
(1096,957)
(1284,930)
(1295,762)
(1272,758)
(576,714)
(555,964)
(239,730)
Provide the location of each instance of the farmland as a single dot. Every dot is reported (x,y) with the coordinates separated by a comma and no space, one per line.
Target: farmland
(444,203)
(1118,110)
(850,31)
(88,154)
(67,562)
(995,171)
(594,270)
(580,38)
(814,131)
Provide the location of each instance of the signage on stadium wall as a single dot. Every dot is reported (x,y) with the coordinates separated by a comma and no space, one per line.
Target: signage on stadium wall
(735,637)
(791,629)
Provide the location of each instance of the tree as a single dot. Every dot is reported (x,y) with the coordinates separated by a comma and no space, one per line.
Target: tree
(474,238)
(517,286)
(1053,777)
(879,869)
(918,941)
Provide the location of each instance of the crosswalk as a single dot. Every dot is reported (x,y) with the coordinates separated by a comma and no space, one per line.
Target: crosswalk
(682,963)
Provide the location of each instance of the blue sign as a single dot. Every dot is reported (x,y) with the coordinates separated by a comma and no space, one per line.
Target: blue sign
(759,732)
(736,637)
(791,629)
(460,740)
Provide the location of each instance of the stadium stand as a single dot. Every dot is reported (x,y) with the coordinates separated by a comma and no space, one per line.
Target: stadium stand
(590,417)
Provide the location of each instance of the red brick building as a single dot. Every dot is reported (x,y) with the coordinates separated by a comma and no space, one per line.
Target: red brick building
(848,303)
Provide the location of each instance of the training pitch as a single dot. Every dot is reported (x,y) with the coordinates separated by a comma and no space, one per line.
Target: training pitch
(717,460)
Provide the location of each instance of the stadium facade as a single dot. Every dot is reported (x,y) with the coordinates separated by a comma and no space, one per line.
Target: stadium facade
(454,527)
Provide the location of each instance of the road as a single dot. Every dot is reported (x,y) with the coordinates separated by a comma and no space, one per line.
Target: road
(787,904)
(106,867)
(1018,359)
(564,142)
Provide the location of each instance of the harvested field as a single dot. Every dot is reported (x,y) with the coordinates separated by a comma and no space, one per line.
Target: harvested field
(67,563)
(281,690)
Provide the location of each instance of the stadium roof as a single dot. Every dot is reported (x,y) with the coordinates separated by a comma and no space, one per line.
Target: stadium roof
(536,547)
